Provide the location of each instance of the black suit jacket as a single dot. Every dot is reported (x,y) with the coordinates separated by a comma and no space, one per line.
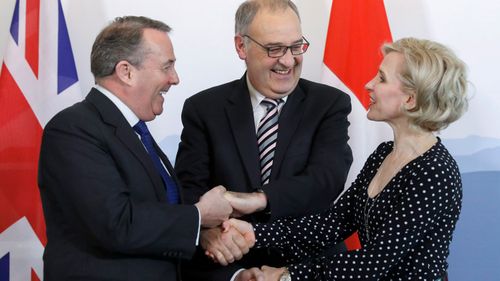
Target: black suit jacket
(104,203)
(311,162)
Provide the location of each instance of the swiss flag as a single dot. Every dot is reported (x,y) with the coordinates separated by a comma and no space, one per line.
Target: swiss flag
(37,80)
(356,31)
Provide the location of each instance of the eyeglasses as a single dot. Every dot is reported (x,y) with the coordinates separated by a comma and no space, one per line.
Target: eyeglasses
(279,51)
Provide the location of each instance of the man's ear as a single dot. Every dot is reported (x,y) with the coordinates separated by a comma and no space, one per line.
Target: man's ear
(239,44)
(124,71)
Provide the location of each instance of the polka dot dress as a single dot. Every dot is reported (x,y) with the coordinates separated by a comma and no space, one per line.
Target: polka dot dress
(405,231)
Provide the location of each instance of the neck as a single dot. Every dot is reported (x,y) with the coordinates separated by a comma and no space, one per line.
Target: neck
(412,142)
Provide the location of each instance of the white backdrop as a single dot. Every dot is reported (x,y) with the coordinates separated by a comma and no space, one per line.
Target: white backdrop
(203,43)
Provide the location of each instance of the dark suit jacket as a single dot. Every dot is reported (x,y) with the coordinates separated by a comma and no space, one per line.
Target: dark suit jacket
(104,202)
(311,162)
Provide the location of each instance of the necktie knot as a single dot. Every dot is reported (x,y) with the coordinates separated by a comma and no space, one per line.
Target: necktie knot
(271,103)
(142,129)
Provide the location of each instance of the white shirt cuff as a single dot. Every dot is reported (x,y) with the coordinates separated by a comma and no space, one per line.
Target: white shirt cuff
(199,226)
(236,274)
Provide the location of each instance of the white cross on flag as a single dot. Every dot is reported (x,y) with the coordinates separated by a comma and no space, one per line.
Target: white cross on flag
(37,80)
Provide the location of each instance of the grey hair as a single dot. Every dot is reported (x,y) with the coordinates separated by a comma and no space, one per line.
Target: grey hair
(247,10)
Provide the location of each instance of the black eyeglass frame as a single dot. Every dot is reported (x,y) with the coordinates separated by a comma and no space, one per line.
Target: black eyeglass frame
(304,46)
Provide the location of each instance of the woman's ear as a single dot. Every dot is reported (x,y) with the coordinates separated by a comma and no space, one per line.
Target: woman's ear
(411,101)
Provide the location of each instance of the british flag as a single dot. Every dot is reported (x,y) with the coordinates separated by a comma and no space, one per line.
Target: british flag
(38,79)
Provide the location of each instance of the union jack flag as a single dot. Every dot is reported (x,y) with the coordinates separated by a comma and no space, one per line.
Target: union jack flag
(37,80)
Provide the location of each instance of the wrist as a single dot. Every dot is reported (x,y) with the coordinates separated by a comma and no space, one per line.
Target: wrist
(262,199)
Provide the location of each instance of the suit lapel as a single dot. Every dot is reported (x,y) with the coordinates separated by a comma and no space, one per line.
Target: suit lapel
(289,120)
(112,116)
(240,116)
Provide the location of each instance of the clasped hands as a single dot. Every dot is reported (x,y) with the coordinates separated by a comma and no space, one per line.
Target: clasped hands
(227,242)
(230,241)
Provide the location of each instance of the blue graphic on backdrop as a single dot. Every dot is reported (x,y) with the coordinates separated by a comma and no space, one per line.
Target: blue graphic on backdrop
(474,249)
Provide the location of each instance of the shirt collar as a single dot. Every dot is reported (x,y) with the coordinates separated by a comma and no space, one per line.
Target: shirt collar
(129,115)
(255,96)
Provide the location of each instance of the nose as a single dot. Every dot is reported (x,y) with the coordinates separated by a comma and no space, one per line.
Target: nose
(369,85)
(287,59)
(174,78)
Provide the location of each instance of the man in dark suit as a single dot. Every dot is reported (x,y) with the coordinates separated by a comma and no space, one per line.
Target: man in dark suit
(104,200)
(221,142)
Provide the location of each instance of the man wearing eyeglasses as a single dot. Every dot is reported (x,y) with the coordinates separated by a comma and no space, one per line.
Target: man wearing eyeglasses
(277,142)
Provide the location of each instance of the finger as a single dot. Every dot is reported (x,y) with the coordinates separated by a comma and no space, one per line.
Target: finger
(228,195)
(220,258)
(255,274)
(221,188)
(227,239)
(226,225)
(241,242)
(226,252)
(210,255)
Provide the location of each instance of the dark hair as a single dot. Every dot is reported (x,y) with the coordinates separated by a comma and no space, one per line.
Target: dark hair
(121,40)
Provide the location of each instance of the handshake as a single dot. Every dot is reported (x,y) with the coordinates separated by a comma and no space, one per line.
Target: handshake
(226,239)
(223,239)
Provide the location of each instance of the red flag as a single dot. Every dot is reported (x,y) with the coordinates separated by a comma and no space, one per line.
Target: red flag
(38,79)
(356,31)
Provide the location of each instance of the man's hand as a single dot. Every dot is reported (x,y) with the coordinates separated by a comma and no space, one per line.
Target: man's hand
(272,273)
(246,203)
(252,274)
(224,247)
(213,207)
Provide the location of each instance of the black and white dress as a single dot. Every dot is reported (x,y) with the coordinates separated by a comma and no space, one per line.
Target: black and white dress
(405,231)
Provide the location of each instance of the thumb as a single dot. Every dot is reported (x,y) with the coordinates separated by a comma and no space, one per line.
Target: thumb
(226,225)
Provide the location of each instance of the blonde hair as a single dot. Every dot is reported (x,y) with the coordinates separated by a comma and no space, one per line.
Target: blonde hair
(437,78)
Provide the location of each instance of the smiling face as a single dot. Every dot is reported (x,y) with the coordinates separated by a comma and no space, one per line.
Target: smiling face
(153,77)
(272,77)
(387,98)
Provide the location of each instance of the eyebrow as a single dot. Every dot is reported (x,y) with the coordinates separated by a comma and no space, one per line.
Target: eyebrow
(298,41)
(169,62)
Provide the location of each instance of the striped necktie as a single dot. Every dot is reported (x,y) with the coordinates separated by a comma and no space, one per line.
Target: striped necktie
(267,137)
(147,140)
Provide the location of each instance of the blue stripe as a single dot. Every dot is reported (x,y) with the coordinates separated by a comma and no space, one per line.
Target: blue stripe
(14,26)
(4,267)
(66,69)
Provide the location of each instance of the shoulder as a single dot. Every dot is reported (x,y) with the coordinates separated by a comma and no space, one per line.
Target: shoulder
(216,93)
(82,118)
(74,113)
(438,159)
(436,171)
(381,151)
(375,159)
